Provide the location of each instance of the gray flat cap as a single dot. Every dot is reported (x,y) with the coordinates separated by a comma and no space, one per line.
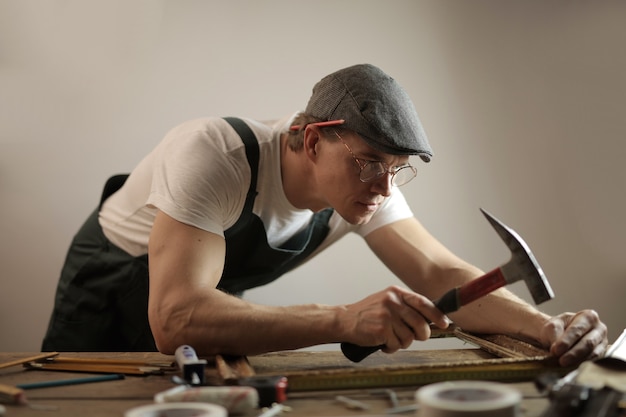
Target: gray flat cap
(373,105)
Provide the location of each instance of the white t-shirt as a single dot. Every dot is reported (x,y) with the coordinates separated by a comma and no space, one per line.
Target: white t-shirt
(199,175)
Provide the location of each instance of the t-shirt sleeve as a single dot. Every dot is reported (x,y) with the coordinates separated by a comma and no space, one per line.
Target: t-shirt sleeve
(197,181)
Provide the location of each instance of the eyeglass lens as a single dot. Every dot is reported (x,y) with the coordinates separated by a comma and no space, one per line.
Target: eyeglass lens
(373,170)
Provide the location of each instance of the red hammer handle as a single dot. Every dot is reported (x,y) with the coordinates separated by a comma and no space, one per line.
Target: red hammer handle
(482,286)
(471,291)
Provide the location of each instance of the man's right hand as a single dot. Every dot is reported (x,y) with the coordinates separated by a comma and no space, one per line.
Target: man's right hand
(393,318)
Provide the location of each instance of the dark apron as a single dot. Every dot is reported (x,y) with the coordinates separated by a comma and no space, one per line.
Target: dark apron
(101,303)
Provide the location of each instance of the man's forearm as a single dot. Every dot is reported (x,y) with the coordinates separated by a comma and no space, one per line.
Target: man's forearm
(214,322)
(502,312)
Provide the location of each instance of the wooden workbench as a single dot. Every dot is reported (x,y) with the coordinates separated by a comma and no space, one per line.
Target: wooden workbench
(113,398)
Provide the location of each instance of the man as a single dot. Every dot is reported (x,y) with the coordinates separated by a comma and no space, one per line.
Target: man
(224,205)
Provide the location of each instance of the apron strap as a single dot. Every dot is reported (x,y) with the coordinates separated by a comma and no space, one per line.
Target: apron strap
(250,260)
(112,185)
(252,154)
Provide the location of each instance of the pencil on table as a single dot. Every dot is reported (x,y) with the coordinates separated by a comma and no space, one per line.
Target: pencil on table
(95,368)
(73,381)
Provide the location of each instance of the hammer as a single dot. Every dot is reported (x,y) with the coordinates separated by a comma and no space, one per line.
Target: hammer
(521,267)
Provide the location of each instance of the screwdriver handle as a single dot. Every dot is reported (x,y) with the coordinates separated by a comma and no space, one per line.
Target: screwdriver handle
(357,353)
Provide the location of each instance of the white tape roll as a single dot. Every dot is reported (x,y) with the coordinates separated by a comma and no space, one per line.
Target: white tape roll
(177,410)
(236,399)
(468,399)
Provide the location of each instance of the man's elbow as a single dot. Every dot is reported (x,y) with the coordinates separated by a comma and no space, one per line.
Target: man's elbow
(164,344)
(166,330)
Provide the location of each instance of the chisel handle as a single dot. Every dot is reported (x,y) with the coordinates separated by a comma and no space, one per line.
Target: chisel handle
(448,303)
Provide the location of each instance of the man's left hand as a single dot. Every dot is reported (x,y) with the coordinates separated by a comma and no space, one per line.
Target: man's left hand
(575,337)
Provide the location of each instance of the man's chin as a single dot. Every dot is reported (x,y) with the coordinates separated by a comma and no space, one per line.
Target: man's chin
(358,220)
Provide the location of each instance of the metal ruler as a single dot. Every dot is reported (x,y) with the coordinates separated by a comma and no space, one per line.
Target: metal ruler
(503,370)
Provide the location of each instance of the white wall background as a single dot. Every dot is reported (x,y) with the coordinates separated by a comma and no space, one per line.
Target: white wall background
(524,103)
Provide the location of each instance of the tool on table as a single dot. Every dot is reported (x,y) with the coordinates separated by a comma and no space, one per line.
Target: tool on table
(395,407)
(15,394)
(10,394)
(99,365)
(165,365)
(243,388)
(521,267)
(571,399)
(231,369)
(501,370)
(72,381)
(237,399)
(28,359)
(595,389)
(391,394)
(352,404)
(192,367)
(401,409)
(274,410)
(236,370)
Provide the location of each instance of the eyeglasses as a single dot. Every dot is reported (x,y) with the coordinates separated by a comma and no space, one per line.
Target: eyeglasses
(372,170)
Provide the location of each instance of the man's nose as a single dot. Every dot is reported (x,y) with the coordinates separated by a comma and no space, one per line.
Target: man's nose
(383,184)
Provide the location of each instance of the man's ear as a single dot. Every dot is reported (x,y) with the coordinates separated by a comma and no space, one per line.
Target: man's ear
(311,141)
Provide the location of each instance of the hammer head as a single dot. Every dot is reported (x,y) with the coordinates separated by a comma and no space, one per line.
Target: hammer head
(522,266)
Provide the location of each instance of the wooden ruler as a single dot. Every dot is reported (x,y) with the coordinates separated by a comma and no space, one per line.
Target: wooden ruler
(503,370)
(28,359)
(99,365)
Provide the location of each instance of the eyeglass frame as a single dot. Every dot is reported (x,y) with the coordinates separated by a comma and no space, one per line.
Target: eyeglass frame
(362,163)
(358,160)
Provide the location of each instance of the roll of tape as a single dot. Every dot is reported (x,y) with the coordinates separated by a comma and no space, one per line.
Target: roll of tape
(236,399)
(468,399)
(177,410)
